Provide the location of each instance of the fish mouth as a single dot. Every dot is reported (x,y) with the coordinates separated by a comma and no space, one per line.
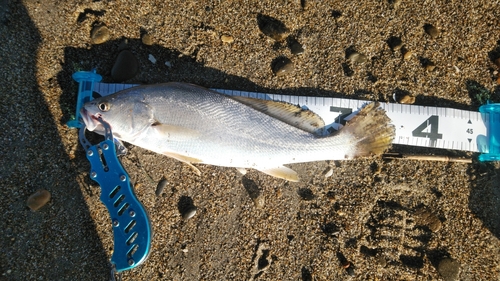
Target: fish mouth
(91,121)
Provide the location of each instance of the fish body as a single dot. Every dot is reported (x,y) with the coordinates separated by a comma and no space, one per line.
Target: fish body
(197,125)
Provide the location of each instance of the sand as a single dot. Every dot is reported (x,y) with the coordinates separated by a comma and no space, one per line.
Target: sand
(383,220)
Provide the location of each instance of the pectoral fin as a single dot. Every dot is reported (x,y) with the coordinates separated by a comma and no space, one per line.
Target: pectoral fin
(175,133)
(185,159)
(282,172)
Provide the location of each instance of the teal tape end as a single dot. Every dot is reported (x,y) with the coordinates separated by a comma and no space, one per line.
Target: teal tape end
(493,111)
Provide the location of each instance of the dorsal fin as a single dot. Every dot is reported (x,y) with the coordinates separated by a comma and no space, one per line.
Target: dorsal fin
(291,114)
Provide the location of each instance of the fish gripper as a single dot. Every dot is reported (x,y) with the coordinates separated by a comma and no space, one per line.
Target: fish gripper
(131,225)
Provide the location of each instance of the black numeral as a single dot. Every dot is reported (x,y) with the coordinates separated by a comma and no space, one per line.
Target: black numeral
(433,135)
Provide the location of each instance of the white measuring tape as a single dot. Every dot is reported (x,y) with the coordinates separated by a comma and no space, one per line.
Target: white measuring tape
(423,126)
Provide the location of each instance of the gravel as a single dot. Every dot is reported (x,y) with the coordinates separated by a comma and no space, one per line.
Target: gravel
(45,42)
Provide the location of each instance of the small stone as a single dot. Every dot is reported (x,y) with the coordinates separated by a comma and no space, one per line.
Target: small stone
(161,186)
(295,47)
(497,62)
(259,201)
(357,57)
(407,99)
(38,199)
(498,80)
(328,172)
(407,55)
(227,39)
(283,66)
(151,58)
(125,67)
(430,66)
(272,27)
(449,269)
(99,34)
(431,30)
(395,43)
(147,40)
(189,212)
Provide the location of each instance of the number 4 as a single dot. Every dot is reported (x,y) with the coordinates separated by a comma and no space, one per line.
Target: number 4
(433,135)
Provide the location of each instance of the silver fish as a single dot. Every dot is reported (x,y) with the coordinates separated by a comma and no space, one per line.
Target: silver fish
(196,125)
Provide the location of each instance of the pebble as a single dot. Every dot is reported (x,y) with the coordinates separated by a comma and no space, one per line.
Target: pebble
(38,199)
(407,54)
(125,67)
(395,43)
(430,66)
(227,39)
(431,30)
(283,66)
(328,172)
(449,269)
(189,212)
(161,186)
(407,99)
(151,58)
(295,47)
(259,201)
(272,27)
(357,57)
(147,40)
(497,62)
(498,80)
(99,34)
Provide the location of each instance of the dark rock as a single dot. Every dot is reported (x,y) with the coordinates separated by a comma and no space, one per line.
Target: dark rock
(126,66)
(282,66)
(431,30)
(272,27)
(295,47)
(161,186)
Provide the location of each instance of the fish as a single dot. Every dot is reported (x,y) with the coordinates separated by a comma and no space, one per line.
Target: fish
(196,125)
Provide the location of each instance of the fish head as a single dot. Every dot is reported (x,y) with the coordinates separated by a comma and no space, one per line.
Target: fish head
(127,115)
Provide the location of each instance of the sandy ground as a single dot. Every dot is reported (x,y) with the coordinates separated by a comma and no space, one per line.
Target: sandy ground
(391,220)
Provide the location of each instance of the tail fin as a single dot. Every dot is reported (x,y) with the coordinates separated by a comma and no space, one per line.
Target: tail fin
(371,130)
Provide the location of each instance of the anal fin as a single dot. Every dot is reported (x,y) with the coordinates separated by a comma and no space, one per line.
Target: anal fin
(282,172)
(185,159)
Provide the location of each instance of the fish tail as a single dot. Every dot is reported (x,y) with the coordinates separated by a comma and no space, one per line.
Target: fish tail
(369,131)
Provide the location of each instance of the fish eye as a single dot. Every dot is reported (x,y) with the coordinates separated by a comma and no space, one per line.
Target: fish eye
(103,106)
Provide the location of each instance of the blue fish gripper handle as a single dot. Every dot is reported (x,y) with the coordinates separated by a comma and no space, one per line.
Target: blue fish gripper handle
(131,224)
(493,121)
